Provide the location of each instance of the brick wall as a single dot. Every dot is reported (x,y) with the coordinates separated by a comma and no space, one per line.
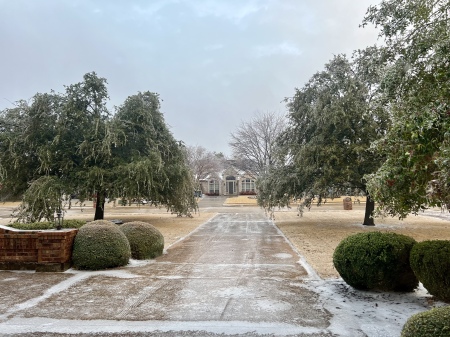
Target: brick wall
(48,250)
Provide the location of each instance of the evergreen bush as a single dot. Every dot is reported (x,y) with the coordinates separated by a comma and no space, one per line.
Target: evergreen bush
(430,261)
(101,222)
(376,260)
(43,225)
(431,323)
(99,245)
(145,240)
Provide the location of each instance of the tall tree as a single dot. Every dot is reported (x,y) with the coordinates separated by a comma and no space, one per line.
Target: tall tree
(332,125)
(26,135)
(82,147)
(203,163)
(69,143)
(150,162)
(23,129)
(254,142)
(416,89)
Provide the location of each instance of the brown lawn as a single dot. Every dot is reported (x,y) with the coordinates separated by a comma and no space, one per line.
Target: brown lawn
(172,227)
(315,235)
(319,231)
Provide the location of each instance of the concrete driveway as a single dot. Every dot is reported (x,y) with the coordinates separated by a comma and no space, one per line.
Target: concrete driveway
(234,275)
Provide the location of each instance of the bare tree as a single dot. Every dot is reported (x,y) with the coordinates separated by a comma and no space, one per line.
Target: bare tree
(202,162)
(254,142)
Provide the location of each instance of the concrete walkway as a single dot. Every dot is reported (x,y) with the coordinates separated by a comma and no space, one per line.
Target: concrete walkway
(235,275)
(217,205)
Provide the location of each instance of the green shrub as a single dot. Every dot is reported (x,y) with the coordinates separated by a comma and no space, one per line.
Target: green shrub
(101,222)
(146,241)
(46,225)
(100,245)
(73,223)
(376,261)
(432,323)
(430,261)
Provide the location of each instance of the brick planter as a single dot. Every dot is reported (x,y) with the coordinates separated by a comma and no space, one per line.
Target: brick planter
(45,250)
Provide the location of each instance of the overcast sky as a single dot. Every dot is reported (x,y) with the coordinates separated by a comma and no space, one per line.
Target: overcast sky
(213,62)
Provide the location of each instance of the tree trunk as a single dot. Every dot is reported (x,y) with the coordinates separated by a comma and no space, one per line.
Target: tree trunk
(100,206)
(368,216)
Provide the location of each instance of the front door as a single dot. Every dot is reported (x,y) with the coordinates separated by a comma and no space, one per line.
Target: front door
(231,187)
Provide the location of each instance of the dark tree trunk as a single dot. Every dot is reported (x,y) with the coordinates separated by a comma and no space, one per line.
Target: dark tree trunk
(99,206)
(368,216)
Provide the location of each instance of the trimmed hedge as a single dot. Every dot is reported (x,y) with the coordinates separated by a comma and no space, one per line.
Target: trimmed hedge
(46,225)
(376,260)
(432,323)
(101,222)
(430,261)
(145,240)
(99,245)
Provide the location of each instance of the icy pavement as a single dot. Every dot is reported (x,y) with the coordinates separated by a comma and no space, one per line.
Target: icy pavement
(235,275)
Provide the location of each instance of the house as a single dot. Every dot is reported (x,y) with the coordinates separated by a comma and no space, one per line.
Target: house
(231,181)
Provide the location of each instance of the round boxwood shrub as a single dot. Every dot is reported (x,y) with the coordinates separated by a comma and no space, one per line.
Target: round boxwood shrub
(99,245)
(431,323)
(376,260)
(430,261)
(145,240)
(100,222)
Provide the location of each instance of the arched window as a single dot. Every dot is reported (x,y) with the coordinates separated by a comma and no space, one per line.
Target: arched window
(248,185)
(214,187)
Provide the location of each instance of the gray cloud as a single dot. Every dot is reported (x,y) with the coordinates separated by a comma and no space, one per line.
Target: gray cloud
(233,10)
(284,48)
(214,63)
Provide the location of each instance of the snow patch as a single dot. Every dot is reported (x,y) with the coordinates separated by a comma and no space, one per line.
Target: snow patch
(273,306)
(138,263)
(41,324)
(282,256)
(236,292)
(51,291)
(368,313)
(124,274)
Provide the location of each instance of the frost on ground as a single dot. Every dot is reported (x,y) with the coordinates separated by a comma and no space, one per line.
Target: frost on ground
(369,313)
(348,312)
(354,314)
(357,313)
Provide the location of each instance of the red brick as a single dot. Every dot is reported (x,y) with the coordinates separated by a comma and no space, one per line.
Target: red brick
(17,247)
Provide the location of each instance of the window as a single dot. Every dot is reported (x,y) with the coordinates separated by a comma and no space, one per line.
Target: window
(248,185)
(213,187)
